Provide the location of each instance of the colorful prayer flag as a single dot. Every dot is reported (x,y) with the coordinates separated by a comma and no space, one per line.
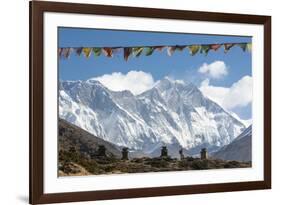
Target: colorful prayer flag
(193,49)
(87,52)
(137,51)
(171,50)
(97,51)
(78,51)
(215,47)
(205,49)
(159,48)
(228,46)
(127,53)
(249,47)
(149,51)
(243,46)
(60,52)
(66,52)
(107,52)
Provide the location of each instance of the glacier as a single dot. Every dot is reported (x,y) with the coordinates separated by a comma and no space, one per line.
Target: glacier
(172,113)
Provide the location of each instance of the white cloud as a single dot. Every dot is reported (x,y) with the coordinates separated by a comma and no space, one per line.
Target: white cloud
(216,70)
(134,81)
(239,94)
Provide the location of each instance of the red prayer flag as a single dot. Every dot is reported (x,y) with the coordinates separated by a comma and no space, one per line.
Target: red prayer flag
(215,47)
(127,53)
(107,52)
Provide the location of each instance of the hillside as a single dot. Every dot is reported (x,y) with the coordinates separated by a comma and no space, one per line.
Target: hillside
(77,147)
(84,142)
(78,155)
(240,149)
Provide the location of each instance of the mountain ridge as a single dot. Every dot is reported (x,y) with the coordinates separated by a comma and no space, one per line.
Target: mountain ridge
(172,112)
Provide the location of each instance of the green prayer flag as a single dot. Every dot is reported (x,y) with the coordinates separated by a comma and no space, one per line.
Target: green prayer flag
(97,51)
(149,51)
(193,49)
(137,51)
(205,49)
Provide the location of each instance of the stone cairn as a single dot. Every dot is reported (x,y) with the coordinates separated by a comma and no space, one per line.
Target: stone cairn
(164,152)
(125,152)
(101,151)
(181,154)
(204,153)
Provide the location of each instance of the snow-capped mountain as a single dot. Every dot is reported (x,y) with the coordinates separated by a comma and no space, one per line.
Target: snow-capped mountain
(171,113)
(239,149)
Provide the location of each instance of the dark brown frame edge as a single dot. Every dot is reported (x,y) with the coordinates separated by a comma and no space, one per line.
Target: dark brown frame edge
(37,9)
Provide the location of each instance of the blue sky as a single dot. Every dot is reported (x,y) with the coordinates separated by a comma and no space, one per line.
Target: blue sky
(178,66)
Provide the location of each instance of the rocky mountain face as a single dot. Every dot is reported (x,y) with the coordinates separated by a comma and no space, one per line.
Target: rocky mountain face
(172,113)
(240,149)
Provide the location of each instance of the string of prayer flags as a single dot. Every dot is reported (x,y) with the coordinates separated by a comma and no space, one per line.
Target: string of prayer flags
(65,52)
(193,49)
(87,52)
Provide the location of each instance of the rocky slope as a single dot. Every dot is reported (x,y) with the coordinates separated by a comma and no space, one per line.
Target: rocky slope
(240,149)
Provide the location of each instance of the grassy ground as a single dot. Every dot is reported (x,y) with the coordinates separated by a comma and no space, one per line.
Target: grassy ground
(71,163)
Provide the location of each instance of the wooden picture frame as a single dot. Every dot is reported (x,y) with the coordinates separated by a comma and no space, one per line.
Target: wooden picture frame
(37,9)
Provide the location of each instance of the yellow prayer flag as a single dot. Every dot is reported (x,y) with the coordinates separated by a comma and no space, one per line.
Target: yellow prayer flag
(249,47)
(87,52)
(193,49)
